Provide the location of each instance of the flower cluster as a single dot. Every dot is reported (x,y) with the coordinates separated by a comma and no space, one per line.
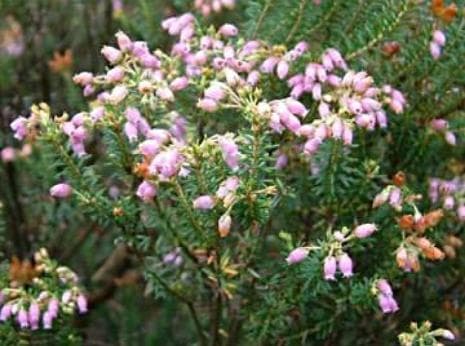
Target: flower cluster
(437,44)
(386,300)
(38,292)
(450,193)
(10,154)
(334,250)
(344,101)
(423,335)
(173,257)
(442,126)
(144,103)
(413,225)
(206,7)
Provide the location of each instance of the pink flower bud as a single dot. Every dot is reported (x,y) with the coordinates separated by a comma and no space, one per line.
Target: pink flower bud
(78,119)
(83,78)
(165,93)
(19,126)
(62,190)
(322,131)
(146,191)
(295,80)
(206,42)
(23,318)
(215,92)
(449,202)
(307,130)
(345,265)
(228,30)
(354,106)
(395,198)
(149,147)
(338,128)
(381,118)
(361,85)
(115,75)
(82,304)
(311,146)
(166,23)
(124,42)
(230,152)
(159,135)
(334,81)
(232,77)
(384,287)
(66,297)
(396,106)
(439,124)
(131,132)
(461,212)
(439,38)
(97,113)
(149,61)
(118,94)
(47,320)
(297,255)
(296,107)
(435,50)
(366,120)
(447,334)
(253,78)
(140,48)
(339,236)
(171,256)
(179,83)
(224,225)
(450,138)
(347,135)
(281,161)
(301,47)
(269,64)
(329,268)
(365,230)
(337,58)
(283,69)
(316,91)
(370,105)
(5,312)
(166,164)
(327,62)
(112,54)
(186,33)
(387,304)
(8,154)
(207,104)
(291,122)
(324,110)
(34,315)
(205,202)
(53,307)
(88,90)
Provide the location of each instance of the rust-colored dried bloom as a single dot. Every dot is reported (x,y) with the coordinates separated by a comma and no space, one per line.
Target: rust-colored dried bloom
(433,218)
(406,222)
(399,179)
(61,62)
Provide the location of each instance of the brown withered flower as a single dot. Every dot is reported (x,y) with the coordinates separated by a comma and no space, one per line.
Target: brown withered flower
(399,179)
(61,62)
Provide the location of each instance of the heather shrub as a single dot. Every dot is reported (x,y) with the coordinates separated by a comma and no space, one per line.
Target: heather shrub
(237,172)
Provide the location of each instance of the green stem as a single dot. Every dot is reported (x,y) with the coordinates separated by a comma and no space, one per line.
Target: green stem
(188,209)
(385,30)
